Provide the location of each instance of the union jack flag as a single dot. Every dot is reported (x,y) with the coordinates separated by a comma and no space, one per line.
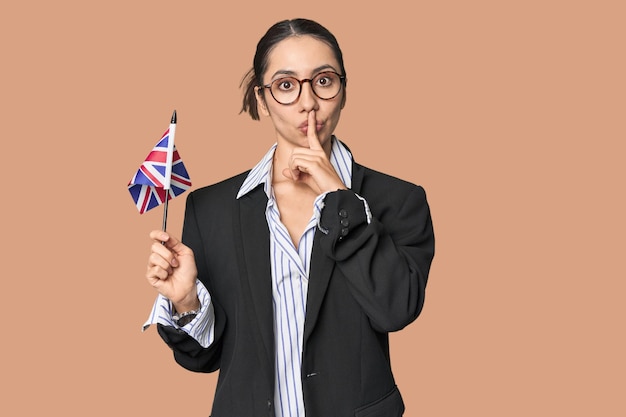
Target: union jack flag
(148,186)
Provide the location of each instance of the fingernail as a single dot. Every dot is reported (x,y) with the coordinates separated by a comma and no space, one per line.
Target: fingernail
(174,262)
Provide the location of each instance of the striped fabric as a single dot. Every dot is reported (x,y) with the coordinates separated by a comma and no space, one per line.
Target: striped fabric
(200,328)
(290,279)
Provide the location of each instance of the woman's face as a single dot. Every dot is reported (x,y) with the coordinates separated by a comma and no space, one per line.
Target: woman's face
(301,57)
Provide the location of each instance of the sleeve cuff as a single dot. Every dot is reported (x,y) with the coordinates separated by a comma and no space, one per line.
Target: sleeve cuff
(320,204)
(201,328)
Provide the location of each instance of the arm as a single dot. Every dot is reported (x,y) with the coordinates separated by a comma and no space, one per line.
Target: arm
(173,270)
(386,262)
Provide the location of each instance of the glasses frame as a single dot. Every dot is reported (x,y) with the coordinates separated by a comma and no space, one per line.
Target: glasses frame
(342,83)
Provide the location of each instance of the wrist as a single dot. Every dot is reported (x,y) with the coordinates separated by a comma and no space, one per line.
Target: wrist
(188,303)
(184,307)
(182,319)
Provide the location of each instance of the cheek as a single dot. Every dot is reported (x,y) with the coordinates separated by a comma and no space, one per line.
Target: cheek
(280,113)
(335,112)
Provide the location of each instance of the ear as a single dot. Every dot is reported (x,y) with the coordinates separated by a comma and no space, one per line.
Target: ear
(260,101)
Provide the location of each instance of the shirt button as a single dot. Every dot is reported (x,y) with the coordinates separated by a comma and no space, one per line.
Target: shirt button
(344,231)
(345,222)
(343,213)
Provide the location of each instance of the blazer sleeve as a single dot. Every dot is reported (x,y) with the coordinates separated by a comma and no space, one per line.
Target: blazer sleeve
(187,351)
(386,261)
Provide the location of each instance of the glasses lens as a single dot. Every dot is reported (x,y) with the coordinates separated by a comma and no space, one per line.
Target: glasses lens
(326,85)
(285,90)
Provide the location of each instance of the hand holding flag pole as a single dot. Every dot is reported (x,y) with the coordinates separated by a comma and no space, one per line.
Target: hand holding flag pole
(162,175)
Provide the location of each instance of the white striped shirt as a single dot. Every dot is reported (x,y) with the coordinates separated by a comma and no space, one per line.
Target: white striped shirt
(290,278)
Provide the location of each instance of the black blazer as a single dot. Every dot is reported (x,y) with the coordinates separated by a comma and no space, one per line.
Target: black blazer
(365,280)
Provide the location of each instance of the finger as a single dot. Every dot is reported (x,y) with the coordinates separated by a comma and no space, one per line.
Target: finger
(164,238)
(291,174)
(311,132)
(170,242)
(156,274)
(161,250)
(159,235)
(163,261)
(301,164)
(307,161)
(316,171)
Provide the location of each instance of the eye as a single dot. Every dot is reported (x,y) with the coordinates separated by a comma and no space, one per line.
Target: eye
(325,79)
(285,84)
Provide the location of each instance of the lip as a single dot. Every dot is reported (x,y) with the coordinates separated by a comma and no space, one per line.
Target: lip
(304,127)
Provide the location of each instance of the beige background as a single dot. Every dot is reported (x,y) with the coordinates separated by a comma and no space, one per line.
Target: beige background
(510,114)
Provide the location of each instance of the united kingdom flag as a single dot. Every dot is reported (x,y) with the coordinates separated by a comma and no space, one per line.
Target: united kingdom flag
(162,170)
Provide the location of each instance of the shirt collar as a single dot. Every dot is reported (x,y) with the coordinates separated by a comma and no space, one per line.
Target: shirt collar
(340,158)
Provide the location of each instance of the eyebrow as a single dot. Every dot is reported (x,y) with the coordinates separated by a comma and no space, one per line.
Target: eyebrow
(315,71)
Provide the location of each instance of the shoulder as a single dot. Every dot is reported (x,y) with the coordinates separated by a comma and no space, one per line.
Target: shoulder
(215,199)
(372,180)
(225,189)
(387,195)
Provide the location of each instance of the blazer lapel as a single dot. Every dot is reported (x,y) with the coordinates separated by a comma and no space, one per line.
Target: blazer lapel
(253,254)
(322,268)
(256,279)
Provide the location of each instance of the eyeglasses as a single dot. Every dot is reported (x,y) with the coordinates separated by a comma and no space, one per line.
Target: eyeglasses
(325,85)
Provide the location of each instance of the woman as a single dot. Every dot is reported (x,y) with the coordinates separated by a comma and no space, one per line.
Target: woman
(292,274)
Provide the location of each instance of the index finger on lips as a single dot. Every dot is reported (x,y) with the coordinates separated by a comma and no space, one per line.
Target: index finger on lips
(311,133)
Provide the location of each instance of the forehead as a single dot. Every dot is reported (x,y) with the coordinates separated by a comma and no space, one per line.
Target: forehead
(301,55)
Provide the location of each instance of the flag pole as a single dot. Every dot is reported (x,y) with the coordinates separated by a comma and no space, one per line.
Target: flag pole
(169,168)
(167,196)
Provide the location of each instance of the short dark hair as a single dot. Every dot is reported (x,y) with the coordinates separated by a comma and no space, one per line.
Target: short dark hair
(278,32)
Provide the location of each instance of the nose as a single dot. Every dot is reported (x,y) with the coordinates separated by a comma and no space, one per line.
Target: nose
(308,99)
